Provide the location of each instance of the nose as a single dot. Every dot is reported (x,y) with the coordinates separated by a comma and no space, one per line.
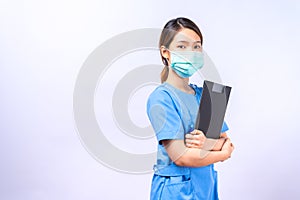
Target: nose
(189,48)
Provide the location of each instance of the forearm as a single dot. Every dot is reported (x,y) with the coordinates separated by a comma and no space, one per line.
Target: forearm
(196,139)
(215,144)
(191,157)
(218,144)
(198,157)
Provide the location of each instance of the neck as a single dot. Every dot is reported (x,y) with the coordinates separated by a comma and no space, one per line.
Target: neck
(178,82)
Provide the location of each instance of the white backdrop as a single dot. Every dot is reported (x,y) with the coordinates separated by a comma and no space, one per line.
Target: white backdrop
(43,44)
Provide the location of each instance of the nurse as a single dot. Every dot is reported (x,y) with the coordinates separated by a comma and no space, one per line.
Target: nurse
(185,157)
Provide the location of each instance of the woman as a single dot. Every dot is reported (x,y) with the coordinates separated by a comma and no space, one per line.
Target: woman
(185,158)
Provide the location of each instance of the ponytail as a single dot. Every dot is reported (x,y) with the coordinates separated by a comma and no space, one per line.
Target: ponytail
(164,74)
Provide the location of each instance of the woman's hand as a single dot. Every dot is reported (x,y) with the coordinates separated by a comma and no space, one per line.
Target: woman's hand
(195,139)
(227,149)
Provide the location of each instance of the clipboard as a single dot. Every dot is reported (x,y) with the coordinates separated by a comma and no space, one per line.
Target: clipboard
(212,109)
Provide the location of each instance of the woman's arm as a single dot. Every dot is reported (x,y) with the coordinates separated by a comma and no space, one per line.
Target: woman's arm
(196,139)
(192,157)
(219,142)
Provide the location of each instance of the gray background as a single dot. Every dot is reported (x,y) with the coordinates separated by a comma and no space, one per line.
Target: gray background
(43,45)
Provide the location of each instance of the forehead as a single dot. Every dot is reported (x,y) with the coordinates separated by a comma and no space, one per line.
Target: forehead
(186,34)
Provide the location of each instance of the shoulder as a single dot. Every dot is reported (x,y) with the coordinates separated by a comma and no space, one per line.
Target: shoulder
(161,102)
(159,94)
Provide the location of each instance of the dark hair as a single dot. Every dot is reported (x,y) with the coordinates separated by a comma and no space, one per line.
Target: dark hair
(168,33)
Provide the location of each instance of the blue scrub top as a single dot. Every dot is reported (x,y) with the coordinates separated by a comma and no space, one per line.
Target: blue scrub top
(173,113)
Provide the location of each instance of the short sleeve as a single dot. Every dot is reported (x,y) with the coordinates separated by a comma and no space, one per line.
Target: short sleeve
(224,127)
(164,116)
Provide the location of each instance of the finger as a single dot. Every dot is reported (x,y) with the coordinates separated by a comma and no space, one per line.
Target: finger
(188,145)
(199,137)
(227,144)
(196,132)
(195,137)
(192,145)
(194,142)
(189,141)
(189,136)
(228,140)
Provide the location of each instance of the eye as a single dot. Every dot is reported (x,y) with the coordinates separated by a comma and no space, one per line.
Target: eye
(197,46)
(181,46)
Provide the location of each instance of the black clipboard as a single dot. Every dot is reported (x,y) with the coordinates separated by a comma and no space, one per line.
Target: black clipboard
(212,109)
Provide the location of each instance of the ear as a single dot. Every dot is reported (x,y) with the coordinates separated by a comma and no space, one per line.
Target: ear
(165,53)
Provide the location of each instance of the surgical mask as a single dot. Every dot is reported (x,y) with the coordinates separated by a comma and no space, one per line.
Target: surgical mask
(186,63)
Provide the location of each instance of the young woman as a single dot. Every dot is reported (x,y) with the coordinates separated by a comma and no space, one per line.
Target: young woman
(185,158)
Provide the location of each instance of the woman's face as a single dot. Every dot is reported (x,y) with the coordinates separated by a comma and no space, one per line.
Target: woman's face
(185,40)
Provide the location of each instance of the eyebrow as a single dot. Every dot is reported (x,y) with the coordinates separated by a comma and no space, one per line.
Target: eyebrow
(183,41)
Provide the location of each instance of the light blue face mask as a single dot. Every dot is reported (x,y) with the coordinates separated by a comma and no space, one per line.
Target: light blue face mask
(186,63)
